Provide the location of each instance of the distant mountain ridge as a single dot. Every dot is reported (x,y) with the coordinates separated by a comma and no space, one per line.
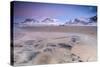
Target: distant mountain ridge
(30,20)
(56,22)
(83,21)
(48,20)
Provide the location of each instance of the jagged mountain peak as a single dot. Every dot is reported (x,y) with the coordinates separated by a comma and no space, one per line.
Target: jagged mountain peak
(30,20)
(48,20)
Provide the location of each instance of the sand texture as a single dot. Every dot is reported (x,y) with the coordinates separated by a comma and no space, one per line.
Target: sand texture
(52,45)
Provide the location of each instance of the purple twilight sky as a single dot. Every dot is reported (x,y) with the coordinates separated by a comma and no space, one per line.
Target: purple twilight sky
(63,12)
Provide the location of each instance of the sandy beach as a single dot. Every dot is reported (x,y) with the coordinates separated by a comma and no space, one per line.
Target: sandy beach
(55,44)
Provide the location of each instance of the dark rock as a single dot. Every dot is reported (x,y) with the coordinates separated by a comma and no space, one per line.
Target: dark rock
(18,45)
(48,49)
(36,45)
(33,55)
(73,59)
(75,39)
(63,45)
(40,40)
(29,42)
(73,54)
(80,60)
(51,44)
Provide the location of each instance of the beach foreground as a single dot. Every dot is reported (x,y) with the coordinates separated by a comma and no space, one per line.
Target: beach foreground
(52,45)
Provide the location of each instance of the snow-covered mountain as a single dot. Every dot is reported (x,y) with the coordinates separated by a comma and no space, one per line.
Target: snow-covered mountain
(55,22)
(31,21)
(50,21)
(83,21)
(43,22)
(28,22)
